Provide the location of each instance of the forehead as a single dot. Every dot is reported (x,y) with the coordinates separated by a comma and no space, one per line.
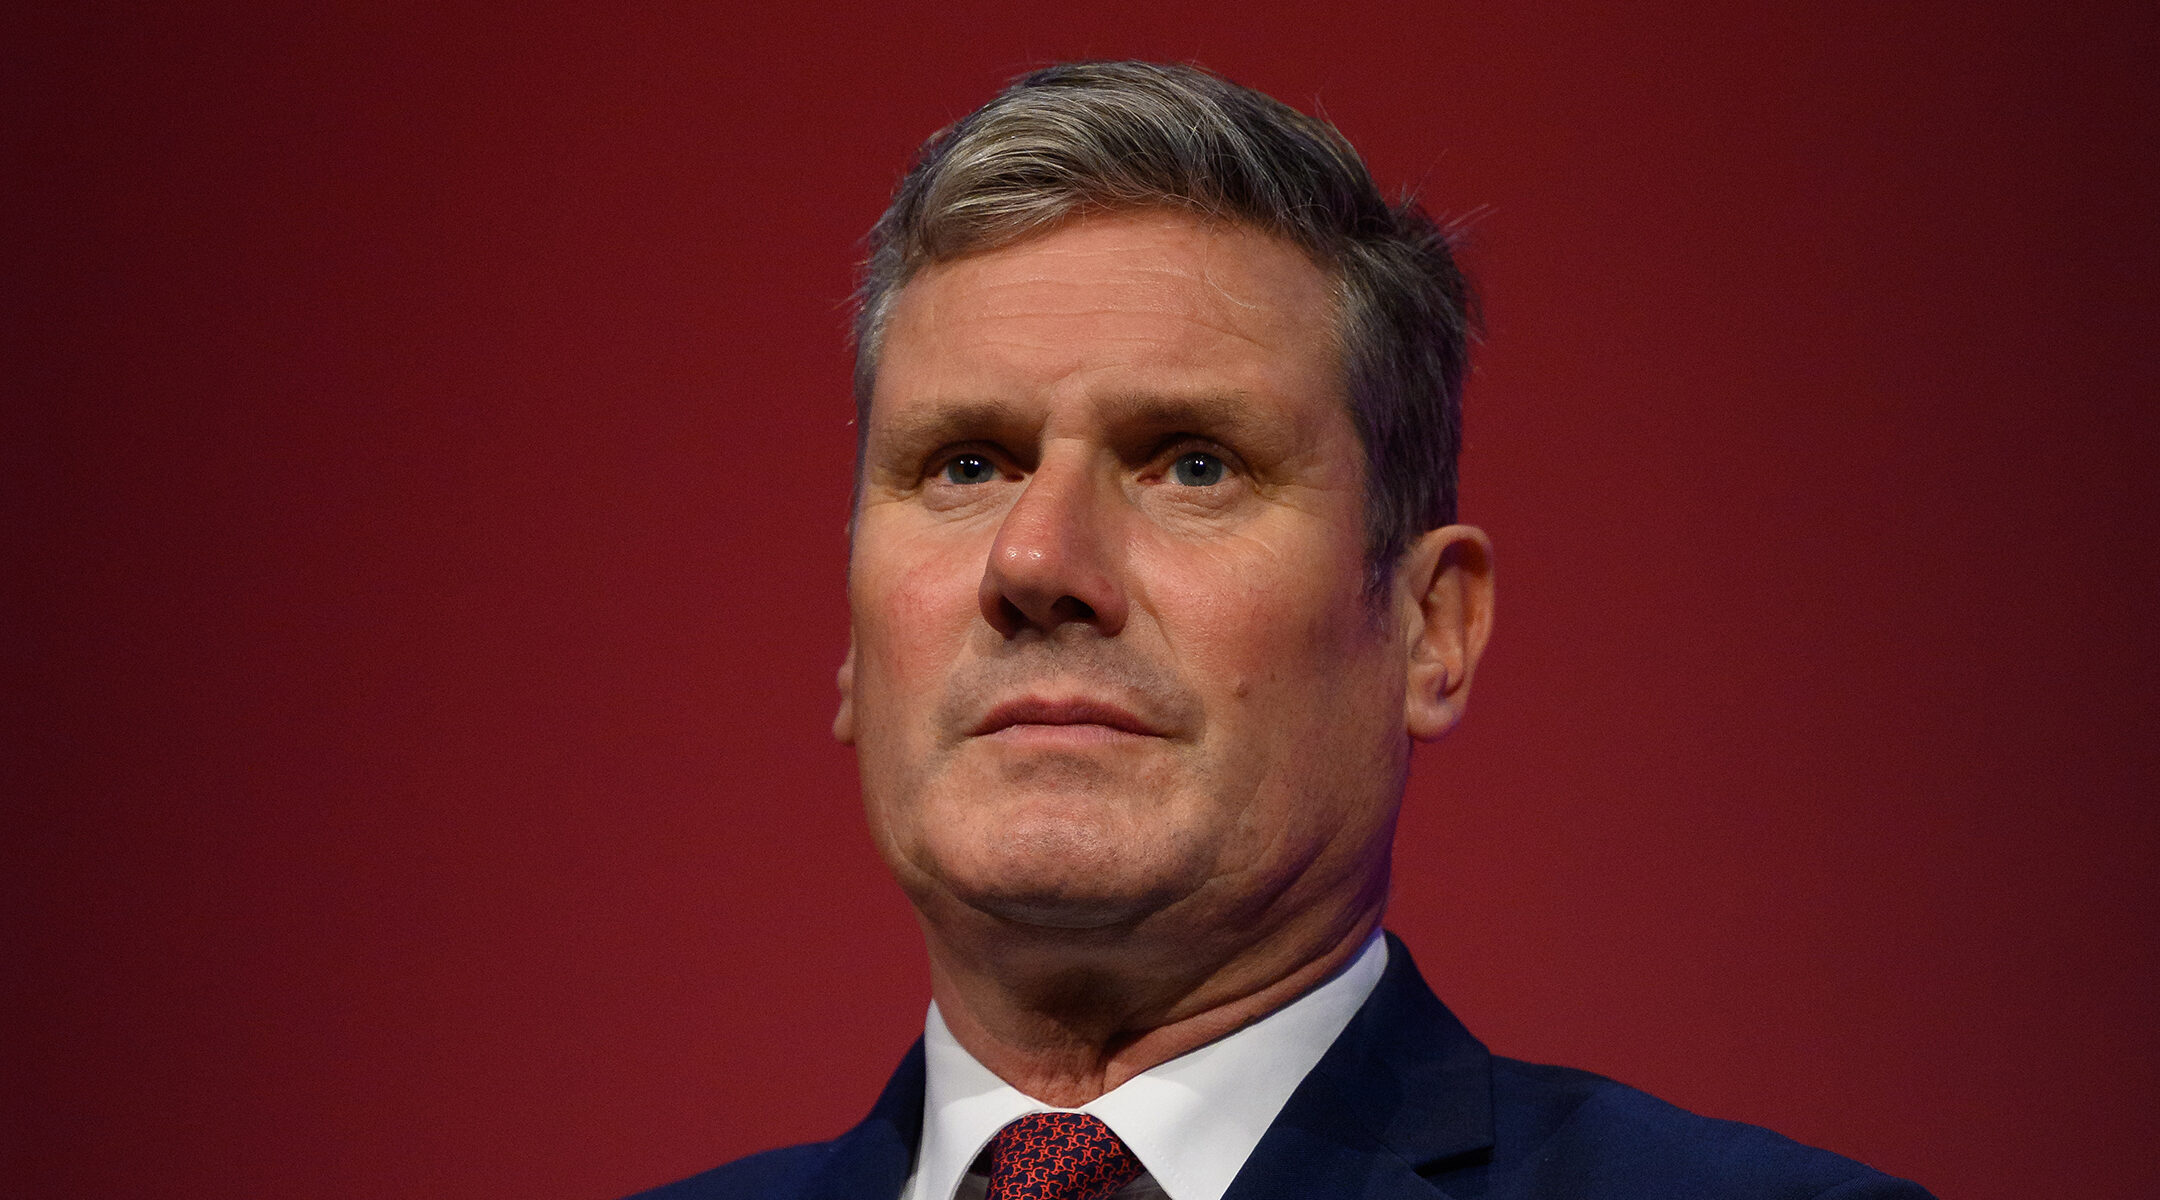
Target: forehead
(1126,303)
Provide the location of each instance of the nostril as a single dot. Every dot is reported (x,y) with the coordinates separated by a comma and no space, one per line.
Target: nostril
(1011,619)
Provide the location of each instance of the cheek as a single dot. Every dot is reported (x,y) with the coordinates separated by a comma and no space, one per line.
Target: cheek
(911,616)
(912,608)
(1302,691)
(1243,620)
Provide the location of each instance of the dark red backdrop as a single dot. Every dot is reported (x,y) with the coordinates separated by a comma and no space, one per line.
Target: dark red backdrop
(427,438)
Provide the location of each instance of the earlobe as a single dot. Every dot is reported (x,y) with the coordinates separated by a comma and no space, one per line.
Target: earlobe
(843,725)
(1446,588)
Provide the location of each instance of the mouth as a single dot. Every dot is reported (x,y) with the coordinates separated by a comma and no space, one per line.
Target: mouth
(1034,715)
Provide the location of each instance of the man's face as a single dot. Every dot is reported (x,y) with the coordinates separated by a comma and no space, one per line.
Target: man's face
(1111,654)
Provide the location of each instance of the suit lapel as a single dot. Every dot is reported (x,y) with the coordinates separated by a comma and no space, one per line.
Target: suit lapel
(1403,1089)
(872,1160)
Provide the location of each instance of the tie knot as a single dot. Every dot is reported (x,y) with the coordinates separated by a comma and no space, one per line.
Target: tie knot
(1058,1156)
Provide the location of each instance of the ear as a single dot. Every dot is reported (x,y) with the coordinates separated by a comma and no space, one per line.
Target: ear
(843,722)
(1444,589)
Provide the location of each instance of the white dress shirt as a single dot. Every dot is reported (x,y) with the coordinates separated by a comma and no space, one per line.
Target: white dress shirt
(1192,1121)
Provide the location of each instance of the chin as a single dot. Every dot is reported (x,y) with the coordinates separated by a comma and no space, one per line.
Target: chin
(1043,911)
(1056,876)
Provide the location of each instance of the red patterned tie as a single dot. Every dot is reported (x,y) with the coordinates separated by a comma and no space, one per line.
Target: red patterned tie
(1058,1156)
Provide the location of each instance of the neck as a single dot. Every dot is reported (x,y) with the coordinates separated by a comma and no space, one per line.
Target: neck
(1066,1015)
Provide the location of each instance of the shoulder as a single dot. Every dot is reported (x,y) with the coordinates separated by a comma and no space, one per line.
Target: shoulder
(867,1161)
(768,1176)
(1579,1134)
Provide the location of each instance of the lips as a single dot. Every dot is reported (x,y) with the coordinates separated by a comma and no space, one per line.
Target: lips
(1033,710)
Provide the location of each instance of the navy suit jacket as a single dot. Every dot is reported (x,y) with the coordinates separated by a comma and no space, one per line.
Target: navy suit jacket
(1406,1105)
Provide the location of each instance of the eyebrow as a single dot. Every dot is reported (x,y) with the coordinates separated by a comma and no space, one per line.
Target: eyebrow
(1228,414)
(1228,417)
(951,422)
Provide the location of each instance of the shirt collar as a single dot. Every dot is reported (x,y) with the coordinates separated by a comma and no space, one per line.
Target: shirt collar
(1192,1121)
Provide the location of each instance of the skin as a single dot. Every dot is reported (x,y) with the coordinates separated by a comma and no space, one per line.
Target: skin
(1132,737)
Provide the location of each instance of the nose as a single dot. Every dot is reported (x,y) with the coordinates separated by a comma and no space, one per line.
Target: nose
(1055,559)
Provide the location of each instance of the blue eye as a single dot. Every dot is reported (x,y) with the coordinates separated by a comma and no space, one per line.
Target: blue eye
(969,468)
(1197,470)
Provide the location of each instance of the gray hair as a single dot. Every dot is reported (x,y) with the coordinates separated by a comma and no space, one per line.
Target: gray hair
(1115,136)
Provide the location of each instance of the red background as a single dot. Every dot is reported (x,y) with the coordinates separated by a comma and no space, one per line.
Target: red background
(427,440)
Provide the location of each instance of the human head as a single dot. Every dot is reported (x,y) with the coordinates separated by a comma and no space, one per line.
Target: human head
(1109,136)
(1088,690)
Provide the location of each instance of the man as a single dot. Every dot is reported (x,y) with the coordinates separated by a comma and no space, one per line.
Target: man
(1155,579)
